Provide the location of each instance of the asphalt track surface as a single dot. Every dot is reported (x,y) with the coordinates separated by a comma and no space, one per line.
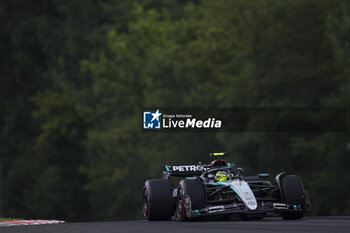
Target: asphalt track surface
(308,224)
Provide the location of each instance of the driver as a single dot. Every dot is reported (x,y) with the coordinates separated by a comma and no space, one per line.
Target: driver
(221,176)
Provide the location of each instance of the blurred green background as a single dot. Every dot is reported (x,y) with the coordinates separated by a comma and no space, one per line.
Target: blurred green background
(74,76)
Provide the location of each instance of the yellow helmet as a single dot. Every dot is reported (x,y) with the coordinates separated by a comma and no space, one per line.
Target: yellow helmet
(221,176)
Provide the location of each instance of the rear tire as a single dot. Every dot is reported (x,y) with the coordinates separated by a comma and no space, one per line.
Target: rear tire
(158,203)
(195,191)
(293,193)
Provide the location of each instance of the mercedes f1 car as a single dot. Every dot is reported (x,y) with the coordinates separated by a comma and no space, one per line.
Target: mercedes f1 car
(219,188)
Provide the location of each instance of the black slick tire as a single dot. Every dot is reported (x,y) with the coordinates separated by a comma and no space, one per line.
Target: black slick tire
(195,191)
(158,204)
(293,193)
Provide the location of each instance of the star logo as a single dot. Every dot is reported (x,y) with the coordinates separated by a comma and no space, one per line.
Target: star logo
(156,115)
(151,120)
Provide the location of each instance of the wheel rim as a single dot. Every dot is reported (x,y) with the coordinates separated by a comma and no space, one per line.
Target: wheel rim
(180,205)
(145,204)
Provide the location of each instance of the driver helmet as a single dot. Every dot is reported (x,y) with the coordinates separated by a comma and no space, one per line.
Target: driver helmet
(221,176)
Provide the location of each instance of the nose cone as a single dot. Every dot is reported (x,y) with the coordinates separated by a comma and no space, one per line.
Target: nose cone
(245,193)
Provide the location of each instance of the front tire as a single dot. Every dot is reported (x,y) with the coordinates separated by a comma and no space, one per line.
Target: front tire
(195,191)
(158,203)
(293,193)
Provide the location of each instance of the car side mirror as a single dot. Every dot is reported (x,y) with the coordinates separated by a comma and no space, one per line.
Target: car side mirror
(239,170)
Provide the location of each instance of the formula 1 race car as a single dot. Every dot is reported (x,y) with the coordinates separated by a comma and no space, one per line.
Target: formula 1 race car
(219,189)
